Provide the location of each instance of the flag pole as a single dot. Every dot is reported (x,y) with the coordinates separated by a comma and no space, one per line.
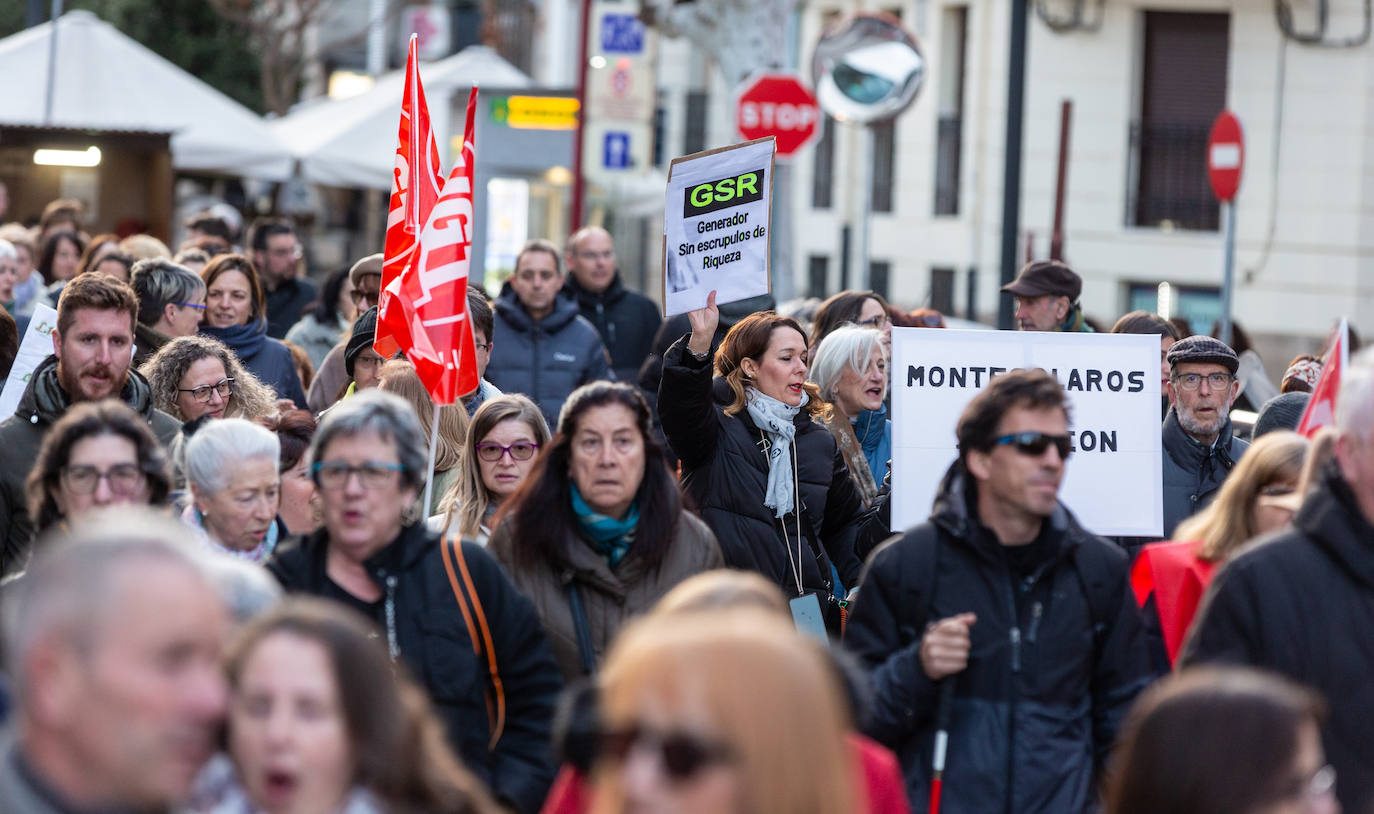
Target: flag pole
(433,451)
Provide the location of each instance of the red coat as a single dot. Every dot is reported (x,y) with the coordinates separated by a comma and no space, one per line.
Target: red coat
(1177,577)
(881,776)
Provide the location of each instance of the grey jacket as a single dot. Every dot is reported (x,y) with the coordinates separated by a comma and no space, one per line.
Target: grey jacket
(18,792)
(1192,472)
(548,359)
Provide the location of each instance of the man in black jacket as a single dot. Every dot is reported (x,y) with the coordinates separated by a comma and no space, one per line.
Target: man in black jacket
(1004,594)
(92,348)
(625,319)
(541,347)
(1301,602)
(1199,449)
(277,255)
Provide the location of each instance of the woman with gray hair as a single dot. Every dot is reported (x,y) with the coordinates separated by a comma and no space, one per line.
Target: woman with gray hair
(193,376)
(448,610)
(231,469)
(849,369)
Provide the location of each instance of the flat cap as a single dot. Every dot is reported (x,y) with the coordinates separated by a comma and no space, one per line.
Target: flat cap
(372,264)
(1204,350)
(1046,277)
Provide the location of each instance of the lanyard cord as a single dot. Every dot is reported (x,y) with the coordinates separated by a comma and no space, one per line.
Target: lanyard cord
(796,510)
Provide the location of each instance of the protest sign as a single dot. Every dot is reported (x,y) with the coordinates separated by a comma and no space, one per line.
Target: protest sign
(33,348)
(1112,482)
(716,226)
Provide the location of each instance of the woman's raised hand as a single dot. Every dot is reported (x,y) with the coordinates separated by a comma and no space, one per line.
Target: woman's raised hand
(704,322)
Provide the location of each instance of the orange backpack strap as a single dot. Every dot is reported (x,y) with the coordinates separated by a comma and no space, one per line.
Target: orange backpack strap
(479,633)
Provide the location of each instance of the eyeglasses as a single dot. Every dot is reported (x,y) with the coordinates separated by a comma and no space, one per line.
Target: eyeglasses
(1035,443)
(224,387)
(372,474)
(1191,381)
(360,296)
(491,451)
(874,322)
(295,252)
(681,754)
(367,361)
(124,479)
(194,305)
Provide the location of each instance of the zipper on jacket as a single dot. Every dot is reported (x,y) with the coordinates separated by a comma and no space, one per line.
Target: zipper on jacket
(1037,610)
(392,643)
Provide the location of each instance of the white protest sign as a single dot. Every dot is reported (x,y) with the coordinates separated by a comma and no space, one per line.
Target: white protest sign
(33,348)
(1112,482)
(715,226)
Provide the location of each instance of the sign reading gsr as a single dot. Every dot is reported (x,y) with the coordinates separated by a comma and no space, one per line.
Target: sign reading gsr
(712,196)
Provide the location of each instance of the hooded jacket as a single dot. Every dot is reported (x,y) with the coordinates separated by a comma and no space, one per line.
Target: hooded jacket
(610,596)
(426,623)
(725,470)
(545,360)
(1301,602)
(1193,472)
(626,321)
(263,356)
(44,401)
(1056,659)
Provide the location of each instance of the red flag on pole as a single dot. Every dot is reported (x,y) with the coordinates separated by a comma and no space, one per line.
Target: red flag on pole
(1321,410)
(415,186)
(430,301)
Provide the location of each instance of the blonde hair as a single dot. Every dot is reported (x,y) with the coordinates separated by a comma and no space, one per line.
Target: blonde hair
(398,376)
(468,495)
(767,693)
(1228,522)
(145,247)
(722,589)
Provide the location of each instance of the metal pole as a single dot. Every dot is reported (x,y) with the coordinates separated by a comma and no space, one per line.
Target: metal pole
(578,182)
(1011,175)
(1228,282)
(861,281)
(376,37)
(52,63)
(1061,181)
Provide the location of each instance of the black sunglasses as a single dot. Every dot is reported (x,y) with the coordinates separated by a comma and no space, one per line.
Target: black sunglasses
(1035,443)
(682,754)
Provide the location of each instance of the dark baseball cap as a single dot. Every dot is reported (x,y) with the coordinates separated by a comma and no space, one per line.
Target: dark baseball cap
(1046,277)
(1203,349)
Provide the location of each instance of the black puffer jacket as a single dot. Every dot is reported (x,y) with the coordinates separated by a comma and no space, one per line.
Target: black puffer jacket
(626,320)
(1301,603)
(1055,663)
(725,470)
(433,639)
(545,360)
(1192,472)
(44,401)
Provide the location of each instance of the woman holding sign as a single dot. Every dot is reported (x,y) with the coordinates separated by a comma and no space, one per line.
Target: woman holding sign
(766,477)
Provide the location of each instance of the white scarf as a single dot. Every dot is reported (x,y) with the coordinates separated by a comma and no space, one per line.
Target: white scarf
(775,419)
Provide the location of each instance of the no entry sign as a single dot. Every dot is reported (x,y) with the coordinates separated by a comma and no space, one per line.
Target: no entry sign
(778,105)
(1225,156)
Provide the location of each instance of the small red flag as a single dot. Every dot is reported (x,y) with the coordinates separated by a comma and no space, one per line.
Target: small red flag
(1321,410)
(415,186)
(429,300)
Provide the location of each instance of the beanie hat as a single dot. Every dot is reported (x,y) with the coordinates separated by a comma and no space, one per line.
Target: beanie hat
(1204,350)
(1282,412)
(364,332)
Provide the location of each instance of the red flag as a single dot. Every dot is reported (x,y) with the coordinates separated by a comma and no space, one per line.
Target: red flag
(415,186)
(430,301)
(1321,410)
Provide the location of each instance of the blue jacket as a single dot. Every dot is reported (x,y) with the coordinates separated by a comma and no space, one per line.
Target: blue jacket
(1192,472)
(874,431)
(265,357)
(545,360)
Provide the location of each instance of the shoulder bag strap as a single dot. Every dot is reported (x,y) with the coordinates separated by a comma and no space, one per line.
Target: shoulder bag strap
(479,633)
(582,626)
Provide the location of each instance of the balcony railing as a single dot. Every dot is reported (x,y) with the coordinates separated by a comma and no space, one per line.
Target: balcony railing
(1167,183)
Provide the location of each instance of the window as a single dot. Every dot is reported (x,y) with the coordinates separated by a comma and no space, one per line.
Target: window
(879,277)
(1200,305)
(818,274)
(949,125)
(942,289)
(694,126)
(823,165)
(1183,88)
(884,159)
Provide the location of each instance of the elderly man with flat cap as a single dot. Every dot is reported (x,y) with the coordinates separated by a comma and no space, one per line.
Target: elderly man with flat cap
(1199,449)
(1046,293)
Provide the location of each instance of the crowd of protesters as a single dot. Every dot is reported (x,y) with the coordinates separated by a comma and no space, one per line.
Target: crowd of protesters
(654,572)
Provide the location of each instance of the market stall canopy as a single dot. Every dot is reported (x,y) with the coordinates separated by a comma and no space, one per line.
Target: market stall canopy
(352,142)
(104,80)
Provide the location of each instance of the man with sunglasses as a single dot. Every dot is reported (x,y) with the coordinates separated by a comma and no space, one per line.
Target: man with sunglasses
(1002,622)
(1199,449)
(93,346)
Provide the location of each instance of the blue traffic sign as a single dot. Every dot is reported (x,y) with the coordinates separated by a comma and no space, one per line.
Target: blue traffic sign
(622,34)
(615,152)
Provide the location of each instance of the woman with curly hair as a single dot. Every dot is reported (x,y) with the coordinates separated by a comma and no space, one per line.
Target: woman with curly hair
(193,376)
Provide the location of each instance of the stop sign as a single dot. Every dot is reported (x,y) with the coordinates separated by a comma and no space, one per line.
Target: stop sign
(1225,156)
(778,105)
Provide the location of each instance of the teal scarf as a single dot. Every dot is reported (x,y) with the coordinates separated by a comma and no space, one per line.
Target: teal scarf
(611,538)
